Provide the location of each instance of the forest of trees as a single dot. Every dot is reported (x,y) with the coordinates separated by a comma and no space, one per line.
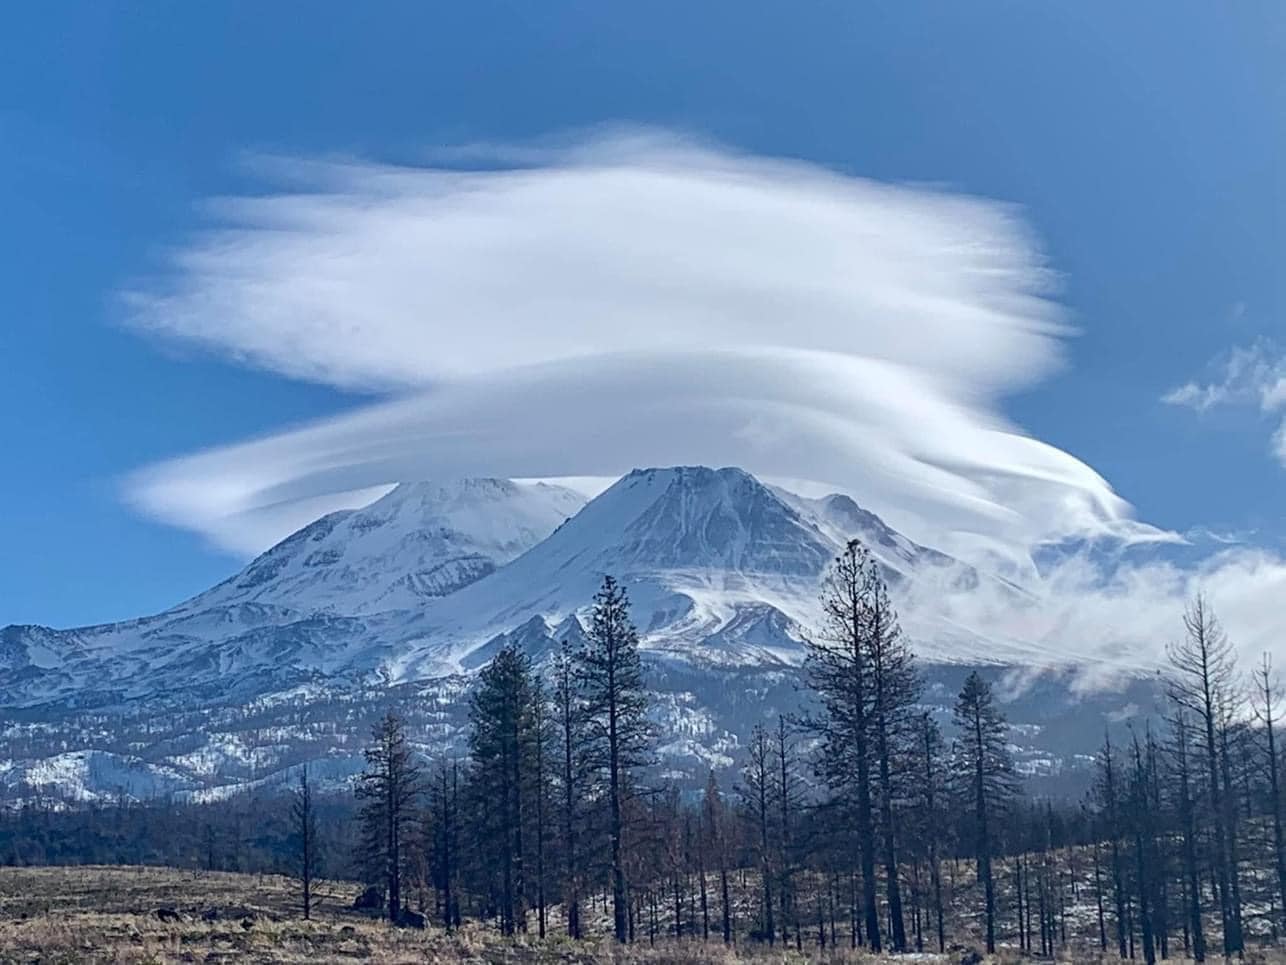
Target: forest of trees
(862,821)
(846,822)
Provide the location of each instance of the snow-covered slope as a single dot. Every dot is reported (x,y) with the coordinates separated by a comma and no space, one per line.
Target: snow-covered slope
(721,570)
(694,546)
(420,541)
(84,776)
(333,597)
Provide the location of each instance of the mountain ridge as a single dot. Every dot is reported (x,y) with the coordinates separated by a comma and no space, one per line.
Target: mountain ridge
(421,577)
(723,574)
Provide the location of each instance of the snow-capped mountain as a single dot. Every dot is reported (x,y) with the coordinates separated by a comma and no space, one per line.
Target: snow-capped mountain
(412,594)
(420,541)
(321,601)
(721,569)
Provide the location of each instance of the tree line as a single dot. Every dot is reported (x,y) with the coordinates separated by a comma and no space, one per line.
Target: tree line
(866,819)
(1184,813)
(857,821)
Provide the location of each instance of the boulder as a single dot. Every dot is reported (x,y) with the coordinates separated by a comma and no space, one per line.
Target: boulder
(410,919)
(372,899)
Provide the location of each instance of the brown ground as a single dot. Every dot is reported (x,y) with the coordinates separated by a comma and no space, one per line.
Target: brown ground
(109,914)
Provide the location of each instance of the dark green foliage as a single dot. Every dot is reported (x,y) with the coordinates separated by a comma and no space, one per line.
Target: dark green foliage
(983,778)
(389,791)
(503,746)
(617,735)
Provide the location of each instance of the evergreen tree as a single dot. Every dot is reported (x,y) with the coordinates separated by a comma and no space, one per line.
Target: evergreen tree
(838,672)
(895,692)
(503,745)
(788,791)
(444,835)
(542,739)
(983,774)
(610,681)
(388,788)
(1141,823)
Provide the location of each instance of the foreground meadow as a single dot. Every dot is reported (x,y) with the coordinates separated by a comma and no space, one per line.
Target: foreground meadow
(164,915)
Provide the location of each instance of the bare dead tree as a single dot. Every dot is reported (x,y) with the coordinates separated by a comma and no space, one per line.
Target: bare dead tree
(1202,682)
(304,818)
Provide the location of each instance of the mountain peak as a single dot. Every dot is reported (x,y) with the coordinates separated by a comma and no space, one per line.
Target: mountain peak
(420,540)
(437,492)
(689,518)
(695,476)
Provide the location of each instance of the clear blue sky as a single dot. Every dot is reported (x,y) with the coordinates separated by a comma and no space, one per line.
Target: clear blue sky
(1144,142)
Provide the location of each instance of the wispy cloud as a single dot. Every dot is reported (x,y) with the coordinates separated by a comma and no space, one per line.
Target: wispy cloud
(632,300)
(641,300)
(1253,376)
(1112,614)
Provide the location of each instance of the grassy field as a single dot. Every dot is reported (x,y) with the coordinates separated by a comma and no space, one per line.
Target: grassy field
(110,914)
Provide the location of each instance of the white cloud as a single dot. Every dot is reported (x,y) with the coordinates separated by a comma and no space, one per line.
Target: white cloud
(1104,615)
(1254,376)
(631,301)
(399,277)
(645,301)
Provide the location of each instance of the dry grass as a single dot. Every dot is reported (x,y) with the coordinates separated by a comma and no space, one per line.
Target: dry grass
(108,914)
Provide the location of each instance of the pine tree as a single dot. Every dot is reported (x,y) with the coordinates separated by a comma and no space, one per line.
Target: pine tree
(1138,804)
(542,738)
(838,672)
(610,681)
(388,789)
(503,744)
(895,692)
(983,775)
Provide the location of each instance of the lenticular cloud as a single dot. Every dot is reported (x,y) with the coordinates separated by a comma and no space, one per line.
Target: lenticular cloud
(633,300)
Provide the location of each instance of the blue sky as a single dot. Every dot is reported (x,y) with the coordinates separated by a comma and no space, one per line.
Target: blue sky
(1143,144)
